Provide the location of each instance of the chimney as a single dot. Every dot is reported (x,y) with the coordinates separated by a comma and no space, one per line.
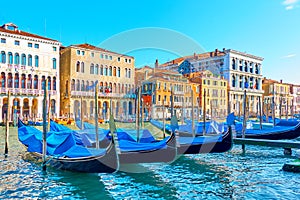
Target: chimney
(210,54)
(156,63)
(173,62)
(224,50)
(280,80)
(195,55)
(216,52)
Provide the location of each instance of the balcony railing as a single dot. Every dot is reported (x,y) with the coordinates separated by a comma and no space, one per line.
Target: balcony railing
(24,91)
(100,94)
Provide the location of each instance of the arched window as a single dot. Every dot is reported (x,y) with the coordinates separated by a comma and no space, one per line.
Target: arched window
(126,75)
(97,69)
(43,82)
(101,87)
(35,82)
(110,71)
(92,69)
(82,85)
(36,61)
(17,59)
(23,81)
(16,81)
(119,72)
(54,83)
(9,81)
(78,66)
(73,85)
(82,67)
(105,71)
(3,80)
(233,63)
(256,69)
(23,59)
(101,70)
(54,63)
(115,71)
(3,57)
(129,73)
(233,81)
(115,88)
(246,66)
(10,58)
(29,82)
(78,85)
(30,60)
(49,83)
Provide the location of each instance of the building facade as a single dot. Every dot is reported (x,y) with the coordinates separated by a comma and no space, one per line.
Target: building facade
(283,98)
(296,98)
(158,88)
(212,92)
(242,71)
(26,61)
(81,67)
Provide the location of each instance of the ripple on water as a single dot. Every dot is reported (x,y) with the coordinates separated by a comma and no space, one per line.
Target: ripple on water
(233,175)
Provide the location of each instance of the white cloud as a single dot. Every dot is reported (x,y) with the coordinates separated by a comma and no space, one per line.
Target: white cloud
(290,4)
(289,56)
(289,7)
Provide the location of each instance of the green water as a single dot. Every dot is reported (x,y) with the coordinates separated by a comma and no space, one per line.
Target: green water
(232,175)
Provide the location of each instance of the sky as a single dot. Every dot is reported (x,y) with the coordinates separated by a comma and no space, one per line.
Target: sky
(265,28)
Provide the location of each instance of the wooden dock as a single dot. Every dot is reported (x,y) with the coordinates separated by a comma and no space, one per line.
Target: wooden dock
(287,145)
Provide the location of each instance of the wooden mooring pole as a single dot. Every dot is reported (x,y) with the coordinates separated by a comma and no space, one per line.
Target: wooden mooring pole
(260,112)
(45,124)
(7,125)
(244,118)
(96,115)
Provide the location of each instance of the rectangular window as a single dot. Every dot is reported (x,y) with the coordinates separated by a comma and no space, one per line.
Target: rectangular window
(101,56)
(54,48)
(106,56)
(78,52)
(36,46)
(126,60)
(82,53)
(3,40)
(17,42)
(129,60)
(110,57)
(29,44)
(119,59)
(92,54)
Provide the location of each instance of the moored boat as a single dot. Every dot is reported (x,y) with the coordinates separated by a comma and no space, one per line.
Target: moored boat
(66,151)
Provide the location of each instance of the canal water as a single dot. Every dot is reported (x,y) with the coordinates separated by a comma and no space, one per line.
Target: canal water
(256,174)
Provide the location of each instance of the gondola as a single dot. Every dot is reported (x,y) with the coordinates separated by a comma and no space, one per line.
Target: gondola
(283,130)
(131,151)
(148,151)
(212,143)
(66,151)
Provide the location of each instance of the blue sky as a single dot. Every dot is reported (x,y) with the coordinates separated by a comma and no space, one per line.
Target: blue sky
(270,29)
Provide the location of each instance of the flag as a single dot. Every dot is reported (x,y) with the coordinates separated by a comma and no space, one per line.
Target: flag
(246,84)
(91,86)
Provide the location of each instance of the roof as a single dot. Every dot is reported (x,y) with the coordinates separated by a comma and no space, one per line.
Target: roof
(194,57)
(23,33)
(92,47)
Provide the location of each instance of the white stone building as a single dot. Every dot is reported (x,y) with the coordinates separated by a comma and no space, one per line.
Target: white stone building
(243,72)
(26,61)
